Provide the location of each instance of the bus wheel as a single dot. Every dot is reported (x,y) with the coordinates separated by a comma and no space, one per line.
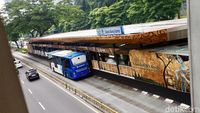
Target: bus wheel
(65,75)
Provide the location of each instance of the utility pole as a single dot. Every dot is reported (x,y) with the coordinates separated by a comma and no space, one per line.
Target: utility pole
(194,47)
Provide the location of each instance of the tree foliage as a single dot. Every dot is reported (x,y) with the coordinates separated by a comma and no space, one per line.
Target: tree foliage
(100,3)
(69,17)
(39,17)
(153,10)
(116,14)
(33,17)
(134,11)
(15,34)
(83,4)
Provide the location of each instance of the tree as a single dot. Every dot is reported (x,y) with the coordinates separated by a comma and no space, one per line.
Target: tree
(116,14)
(84,4)
(40,16)
(113,15)
(98,16)
(13,23)
(153,10)
(34,17)
(69,17)
(88,5)
(100,3)
(13,32)
(15,17)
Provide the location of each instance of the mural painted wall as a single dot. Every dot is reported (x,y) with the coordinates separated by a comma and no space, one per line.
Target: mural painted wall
(167,70)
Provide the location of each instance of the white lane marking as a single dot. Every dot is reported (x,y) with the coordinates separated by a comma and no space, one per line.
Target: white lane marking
(30,91)
(169,100)
(156,96)
(144,92)
(184,106)
(41,105)
(71,94)
(135,89)
(22,81)
(68,92)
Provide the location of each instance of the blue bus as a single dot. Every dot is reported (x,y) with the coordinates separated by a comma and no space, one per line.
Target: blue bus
(70,64)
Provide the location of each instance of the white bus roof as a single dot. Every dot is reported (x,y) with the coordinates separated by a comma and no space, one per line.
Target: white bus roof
(50,53)
(61,53)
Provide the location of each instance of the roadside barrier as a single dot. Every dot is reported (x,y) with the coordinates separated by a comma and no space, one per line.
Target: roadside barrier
(83,95)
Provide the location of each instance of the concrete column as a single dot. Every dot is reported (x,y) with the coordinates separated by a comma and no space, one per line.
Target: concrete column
(194,47)
(11,96)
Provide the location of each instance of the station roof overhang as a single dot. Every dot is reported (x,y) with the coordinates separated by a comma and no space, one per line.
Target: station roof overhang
(146,33)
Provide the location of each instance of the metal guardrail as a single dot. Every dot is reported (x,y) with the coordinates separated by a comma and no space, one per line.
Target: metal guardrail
(83,95)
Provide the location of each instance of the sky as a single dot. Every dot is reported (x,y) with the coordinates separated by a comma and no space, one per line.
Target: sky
(1,3)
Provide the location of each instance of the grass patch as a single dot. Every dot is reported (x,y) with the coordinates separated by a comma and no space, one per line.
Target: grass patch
(23,50)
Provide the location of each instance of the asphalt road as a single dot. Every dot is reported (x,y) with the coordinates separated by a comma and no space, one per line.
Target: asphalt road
(43,96)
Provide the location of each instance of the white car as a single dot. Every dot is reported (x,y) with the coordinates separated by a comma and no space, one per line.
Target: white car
(18,64)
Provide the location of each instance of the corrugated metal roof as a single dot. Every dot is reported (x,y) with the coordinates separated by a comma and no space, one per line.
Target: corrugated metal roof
(145,33)
(128,29)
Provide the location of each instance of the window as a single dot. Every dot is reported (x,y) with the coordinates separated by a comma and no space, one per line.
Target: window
(55,62)
(124,60)
(111,59)
(92,56)
(184,58)
(67,63)
(78,60)
(103,56)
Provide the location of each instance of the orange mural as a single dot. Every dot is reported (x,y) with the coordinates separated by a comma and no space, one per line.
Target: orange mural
(139,38)
(164,69)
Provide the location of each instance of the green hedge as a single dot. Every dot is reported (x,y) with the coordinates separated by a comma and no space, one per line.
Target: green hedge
(23,50)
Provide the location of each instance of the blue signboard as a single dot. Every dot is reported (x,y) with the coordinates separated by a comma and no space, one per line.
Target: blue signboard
(119,30)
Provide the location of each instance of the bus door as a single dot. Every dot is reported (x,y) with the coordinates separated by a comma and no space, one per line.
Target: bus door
(56,65)
(67,68)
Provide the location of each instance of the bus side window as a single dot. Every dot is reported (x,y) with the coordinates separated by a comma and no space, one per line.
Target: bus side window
(67,63)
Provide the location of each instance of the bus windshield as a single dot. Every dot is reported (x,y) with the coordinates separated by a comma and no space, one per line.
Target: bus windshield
(78,60)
